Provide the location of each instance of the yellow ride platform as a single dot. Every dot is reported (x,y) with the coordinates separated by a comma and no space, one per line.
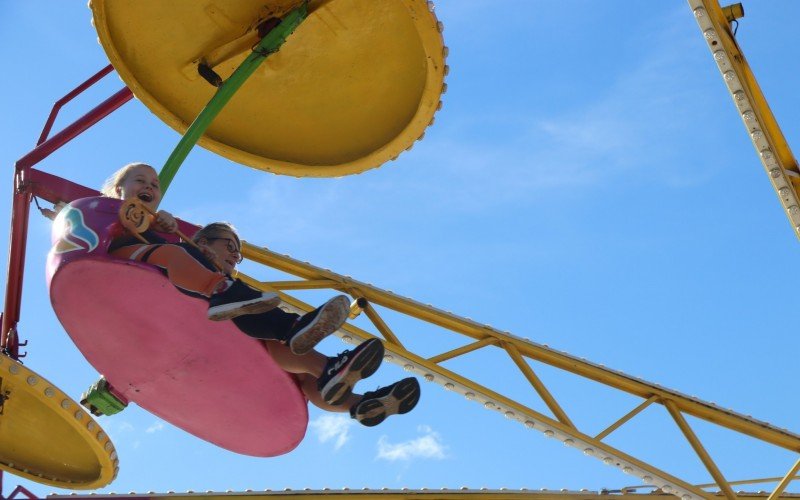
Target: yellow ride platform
(354,86)
(47,437)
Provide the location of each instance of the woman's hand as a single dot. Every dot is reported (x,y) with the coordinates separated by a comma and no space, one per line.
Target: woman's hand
(164,222)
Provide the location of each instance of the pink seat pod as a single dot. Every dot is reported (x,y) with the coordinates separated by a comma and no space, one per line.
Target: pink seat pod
(156,347)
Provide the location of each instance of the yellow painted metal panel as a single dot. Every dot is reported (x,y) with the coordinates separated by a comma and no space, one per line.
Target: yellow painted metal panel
(354,86)
(47,437)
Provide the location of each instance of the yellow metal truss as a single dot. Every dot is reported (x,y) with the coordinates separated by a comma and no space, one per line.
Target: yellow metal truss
(766,135)
(403,494)
(521,352)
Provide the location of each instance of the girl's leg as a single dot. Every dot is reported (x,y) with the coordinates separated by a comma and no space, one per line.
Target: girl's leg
(182,269)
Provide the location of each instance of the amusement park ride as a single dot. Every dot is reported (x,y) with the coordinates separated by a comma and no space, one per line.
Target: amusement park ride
(209,84)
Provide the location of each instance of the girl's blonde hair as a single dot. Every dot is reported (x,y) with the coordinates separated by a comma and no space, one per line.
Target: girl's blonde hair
(112,183)
(217,230)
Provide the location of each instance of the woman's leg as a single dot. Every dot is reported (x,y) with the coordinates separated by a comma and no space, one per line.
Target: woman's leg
(182,269)
(308,384)
(312,363)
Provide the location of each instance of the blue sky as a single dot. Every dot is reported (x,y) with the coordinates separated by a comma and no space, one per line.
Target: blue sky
(588,184)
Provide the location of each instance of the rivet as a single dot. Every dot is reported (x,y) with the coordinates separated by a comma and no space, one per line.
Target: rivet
(429,377)
(66,403)
(13,369)
(549,433)
(78,415)
(530,424)
(49,392)
(470,395)
(449,386)
(608,460)
(32,380)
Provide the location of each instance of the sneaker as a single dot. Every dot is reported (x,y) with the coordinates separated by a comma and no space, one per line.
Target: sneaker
(342,372)
(396,399)
(240,299)
(312,327)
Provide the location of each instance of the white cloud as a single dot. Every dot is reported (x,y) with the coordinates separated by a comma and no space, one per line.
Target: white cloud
(332,427)
(428,445)
(157,426)
(125,427)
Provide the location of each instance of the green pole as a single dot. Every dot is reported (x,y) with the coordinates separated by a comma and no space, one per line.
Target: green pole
(269,44)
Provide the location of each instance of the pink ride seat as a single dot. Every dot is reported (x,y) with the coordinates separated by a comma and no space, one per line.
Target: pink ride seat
(156,347)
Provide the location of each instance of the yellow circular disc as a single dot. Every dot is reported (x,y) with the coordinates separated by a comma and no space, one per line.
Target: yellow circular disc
(355,84)
(47,437)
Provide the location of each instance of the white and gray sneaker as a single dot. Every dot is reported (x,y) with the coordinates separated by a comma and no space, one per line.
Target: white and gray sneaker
(314,326)
(396,399)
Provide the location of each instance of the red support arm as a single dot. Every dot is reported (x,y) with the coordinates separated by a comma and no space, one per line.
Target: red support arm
(22,195)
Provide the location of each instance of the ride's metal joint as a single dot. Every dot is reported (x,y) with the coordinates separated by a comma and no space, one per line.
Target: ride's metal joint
(733,12)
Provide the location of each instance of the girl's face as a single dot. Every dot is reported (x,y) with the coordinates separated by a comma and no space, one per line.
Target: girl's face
(227,249)
(142,183)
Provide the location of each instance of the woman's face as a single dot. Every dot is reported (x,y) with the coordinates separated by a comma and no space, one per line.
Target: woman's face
(227,249)
(142,183)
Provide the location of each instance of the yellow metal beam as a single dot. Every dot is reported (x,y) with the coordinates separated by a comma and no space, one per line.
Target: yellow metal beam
(700,450)
(761,125)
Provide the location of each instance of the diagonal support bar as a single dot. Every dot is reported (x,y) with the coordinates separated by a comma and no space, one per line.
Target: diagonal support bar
(463,350)
(698,448)
(537,384)
(785,482)
(381,325)
(616,425)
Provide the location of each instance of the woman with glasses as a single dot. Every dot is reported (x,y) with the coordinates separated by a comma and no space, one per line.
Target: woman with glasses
(326,381)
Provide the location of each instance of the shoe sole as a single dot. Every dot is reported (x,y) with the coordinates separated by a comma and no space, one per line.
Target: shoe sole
(265,303)
(403,397)
(329,319)
(367,362)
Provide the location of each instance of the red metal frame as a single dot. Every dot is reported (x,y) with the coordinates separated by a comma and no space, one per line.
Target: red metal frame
(19,490)
(29,182)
